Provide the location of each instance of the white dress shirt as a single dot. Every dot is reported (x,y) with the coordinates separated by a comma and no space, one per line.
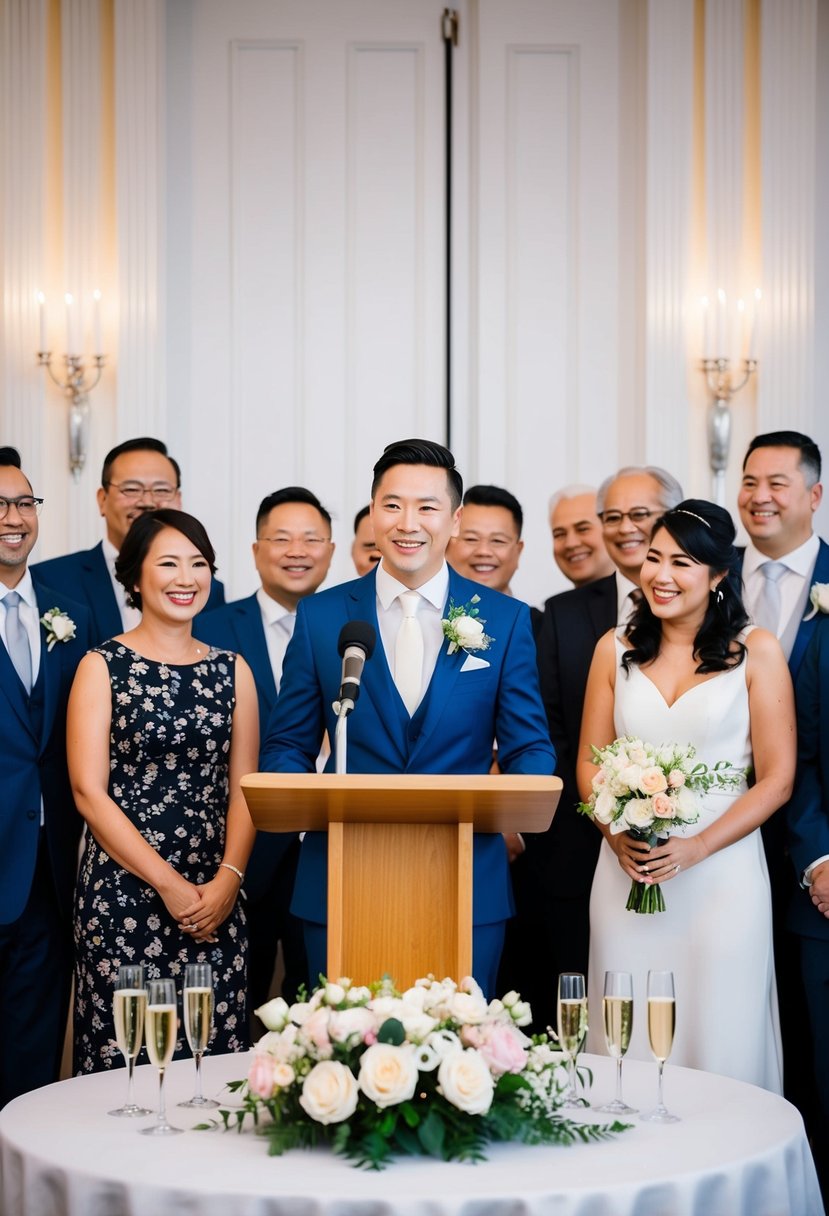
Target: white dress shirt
(794,593)
(29,614)
(429,615)
(274,619)
(130,617)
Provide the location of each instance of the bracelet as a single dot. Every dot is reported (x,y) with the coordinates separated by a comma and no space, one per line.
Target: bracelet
(235,870)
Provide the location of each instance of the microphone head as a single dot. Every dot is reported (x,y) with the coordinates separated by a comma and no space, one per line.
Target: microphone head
(357,633)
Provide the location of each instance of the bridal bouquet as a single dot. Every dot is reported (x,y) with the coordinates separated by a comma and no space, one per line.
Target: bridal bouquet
(651,792)
(435,1070)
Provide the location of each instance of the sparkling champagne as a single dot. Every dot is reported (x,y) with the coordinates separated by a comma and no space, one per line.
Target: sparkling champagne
(161,1034)
(198,1016)
(572,1025)
(618,1023)
(128,1008)
(661,1022)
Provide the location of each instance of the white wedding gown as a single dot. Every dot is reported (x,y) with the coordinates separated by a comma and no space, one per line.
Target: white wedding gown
(716,932)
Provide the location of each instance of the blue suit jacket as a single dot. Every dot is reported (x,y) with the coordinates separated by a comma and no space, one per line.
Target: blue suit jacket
(238,626)
(84,577)
(806,629)
(808,810)
(452,731)
(33,765)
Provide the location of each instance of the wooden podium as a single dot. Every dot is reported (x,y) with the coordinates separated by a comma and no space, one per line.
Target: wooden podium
(399,858)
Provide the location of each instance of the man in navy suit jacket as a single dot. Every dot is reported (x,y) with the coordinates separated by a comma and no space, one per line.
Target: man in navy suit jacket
(292,553)
(39,825)
(456,704)
(138,475)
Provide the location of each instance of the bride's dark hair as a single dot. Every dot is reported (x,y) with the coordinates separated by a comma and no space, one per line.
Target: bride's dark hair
(706,533)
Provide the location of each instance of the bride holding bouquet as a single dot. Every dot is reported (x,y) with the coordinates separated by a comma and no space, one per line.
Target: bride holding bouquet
(691,673)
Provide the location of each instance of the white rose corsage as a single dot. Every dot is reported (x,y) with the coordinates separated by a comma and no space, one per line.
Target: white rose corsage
(819,598)
(59,627)
(464,629)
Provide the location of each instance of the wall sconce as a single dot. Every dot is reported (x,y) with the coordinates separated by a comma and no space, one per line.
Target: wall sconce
(74,384)
(722,383)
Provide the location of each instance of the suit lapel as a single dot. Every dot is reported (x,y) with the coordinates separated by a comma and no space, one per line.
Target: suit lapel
(251,632)
(448,666)
(377,682)
(51,663)
(820,574)
(602,605)
(13,690)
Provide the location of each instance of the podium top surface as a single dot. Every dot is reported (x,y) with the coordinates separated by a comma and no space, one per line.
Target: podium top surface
(296,802)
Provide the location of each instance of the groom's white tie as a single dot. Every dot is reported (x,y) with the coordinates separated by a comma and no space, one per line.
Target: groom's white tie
(408,652)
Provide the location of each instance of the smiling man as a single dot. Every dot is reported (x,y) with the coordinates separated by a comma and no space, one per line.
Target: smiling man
(292,553)
(578,545)
(488,546)
(422,709)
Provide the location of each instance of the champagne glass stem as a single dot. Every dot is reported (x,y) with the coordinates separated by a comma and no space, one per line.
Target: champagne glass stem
(619,1080)
(197,1057)
(660,1103)
(131,1081)
(571,1068)
(162,1109)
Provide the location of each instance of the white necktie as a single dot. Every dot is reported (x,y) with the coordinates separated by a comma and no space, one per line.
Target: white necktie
(287,623)
(408,652)
(768,606)
(17,640)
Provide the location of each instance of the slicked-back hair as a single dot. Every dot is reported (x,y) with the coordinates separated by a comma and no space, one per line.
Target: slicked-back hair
(706,533)
(142,533)
(290,494)
(810,463)
(420,451)
(670,489)
(495,496)
(145,444)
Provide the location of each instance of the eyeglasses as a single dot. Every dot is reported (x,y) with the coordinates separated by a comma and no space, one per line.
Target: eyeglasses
(285,542)
(612,519)
(160,491)
(26,506)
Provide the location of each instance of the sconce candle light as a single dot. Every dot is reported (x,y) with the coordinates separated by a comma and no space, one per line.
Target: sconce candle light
(74,384)
(722,383)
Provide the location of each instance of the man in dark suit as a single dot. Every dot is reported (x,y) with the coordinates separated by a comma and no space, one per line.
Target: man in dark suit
(138,475)
(559,864)
(808,827)
(578,545)
(292,553)
(421,709)
(779,494)
(39,825)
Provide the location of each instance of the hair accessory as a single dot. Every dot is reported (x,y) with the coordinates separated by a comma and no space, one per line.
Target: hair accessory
(693,514)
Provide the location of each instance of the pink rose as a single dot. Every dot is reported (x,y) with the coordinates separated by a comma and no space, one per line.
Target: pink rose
(676,778)
(652,780)
(261,1078)
(503,1049)
(663,807)
(315,1029)
(471,1036)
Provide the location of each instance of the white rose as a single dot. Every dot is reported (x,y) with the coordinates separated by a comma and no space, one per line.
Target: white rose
(334,994)
(275,1015)
(639,813)
(686,805)
(465,1081)
(348,1023)
(819,595)
(639,755)
(359,996)
(631,776)
(416,1024)
(63,627)
(467,1007)
(388,1074)
(283,1076)
(522,1014)
(469,632)
(605,806)
(301,1012)
(329,1092)
(444,1042)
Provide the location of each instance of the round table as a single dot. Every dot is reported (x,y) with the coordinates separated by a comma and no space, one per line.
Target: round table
(739,1151)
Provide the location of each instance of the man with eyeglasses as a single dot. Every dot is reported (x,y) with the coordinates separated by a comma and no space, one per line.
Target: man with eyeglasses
(43,637)
(138,475)
(628,504)
(292,553)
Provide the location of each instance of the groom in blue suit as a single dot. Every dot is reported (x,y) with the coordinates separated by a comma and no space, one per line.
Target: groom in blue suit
(39,825)
(422,709)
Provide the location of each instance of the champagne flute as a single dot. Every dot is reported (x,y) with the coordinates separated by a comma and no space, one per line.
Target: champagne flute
(198,1018)
(129,1003)
(617,1010)
(572,1027)
(661,1023)
(161,1026)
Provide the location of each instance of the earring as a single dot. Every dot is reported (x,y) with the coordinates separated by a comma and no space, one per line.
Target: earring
(718,594)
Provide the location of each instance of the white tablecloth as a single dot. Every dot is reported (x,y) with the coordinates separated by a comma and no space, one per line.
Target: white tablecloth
(739,1151)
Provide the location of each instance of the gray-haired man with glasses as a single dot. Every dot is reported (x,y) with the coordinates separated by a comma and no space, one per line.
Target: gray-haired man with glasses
(43,636)
(138,475)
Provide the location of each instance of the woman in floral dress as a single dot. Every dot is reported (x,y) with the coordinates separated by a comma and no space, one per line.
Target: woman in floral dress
(161,728)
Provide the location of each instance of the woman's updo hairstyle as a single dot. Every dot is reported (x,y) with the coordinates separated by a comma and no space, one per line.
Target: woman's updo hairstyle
(706,533)
(141,535)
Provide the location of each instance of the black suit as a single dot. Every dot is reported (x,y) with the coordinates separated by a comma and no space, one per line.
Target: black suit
(552,879)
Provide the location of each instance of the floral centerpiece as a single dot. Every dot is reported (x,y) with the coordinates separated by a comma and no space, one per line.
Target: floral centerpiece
(651,792)
(435,1070)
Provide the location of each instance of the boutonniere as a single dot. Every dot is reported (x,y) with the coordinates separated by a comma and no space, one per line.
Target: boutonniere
(819,597)
(464,629)
(59,627)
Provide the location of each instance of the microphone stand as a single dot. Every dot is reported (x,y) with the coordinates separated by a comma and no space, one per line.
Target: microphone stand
(342,709)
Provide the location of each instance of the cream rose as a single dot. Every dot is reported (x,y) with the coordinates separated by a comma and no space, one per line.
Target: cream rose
(274,1015)
(663,806)
(465,1081)
(631,776)
(467,1007)
(388,1074)
(686,805)
(639,813)
(329,1092)
(676,778)
(63,627)
(819,596)
(652,780)
(350,1023)
(605,806)
(469,632)
(283,1076)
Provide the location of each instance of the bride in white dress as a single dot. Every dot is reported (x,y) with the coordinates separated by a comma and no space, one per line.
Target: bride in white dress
(689,671)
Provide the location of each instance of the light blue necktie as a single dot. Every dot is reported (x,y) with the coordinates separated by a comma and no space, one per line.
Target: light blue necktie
(768,606)
(17,640)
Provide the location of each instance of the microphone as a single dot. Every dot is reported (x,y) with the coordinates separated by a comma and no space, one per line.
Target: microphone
(355,645)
